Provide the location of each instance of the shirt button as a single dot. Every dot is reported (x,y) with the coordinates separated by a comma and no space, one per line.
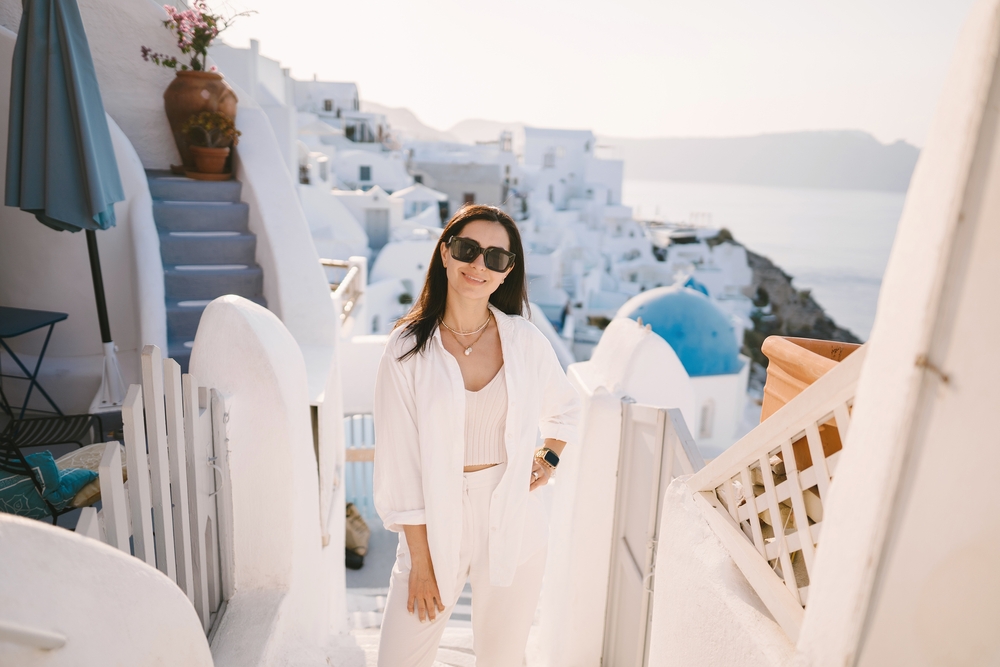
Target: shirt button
(493,529)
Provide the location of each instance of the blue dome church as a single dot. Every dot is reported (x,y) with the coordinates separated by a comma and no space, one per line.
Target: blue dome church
(703,338)
(699,333)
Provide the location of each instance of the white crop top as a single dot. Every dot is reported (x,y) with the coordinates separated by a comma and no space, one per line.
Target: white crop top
(485,422)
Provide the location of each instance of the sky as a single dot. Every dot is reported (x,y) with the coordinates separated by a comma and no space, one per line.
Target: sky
(628,68)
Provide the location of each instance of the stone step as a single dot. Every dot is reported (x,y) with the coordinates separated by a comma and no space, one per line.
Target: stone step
(183,317)
(207,248)
(165,186)
(200,282)
(173,216)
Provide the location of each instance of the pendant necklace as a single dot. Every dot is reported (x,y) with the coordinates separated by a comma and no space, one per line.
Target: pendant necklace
(481,331)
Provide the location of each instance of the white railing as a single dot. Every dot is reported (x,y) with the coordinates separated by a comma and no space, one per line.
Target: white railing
(347,293)
(359,460)
(764,496)
(176,506)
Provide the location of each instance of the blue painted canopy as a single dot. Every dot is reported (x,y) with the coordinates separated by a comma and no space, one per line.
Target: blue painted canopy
(695,328)
(60,160)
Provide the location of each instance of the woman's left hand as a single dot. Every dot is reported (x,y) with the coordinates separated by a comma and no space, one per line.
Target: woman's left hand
(540,474)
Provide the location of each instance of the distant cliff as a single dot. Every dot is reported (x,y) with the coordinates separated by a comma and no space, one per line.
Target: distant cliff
(785,310)
(838,160)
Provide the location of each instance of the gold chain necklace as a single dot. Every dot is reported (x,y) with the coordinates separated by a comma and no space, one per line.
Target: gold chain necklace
(467,333)
(455,335)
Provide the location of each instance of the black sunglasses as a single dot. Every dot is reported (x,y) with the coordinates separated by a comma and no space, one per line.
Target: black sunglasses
(466,250)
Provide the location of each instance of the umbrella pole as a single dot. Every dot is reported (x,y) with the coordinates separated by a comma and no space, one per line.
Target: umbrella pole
(111,395)
(95,273)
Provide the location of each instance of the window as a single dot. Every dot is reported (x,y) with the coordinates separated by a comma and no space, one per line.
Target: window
(469,198)
(549,161)
(418,178)
(327,105)
(366,173)
(552,194)
(304,174)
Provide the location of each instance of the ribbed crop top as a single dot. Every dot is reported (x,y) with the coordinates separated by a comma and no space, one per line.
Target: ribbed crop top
(485,422)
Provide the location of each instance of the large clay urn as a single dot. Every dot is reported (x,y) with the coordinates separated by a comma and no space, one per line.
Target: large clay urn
(193,92)
(793,365)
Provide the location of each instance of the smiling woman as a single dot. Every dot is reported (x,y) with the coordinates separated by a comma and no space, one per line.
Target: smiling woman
(463,388)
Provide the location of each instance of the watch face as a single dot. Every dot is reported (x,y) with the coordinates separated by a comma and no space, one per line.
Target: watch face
(551,458)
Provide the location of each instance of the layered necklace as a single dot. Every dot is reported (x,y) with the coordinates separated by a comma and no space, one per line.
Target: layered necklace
(481,330)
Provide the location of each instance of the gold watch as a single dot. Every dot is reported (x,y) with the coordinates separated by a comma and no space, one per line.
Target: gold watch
(548,457)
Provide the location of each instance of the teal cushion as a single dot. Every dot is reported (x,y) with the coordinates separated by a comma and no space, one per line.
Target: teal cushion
(18,494)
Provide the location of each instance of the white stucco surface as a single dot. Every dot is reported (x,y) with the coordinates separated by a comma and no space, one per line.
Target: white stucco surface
(132,89)
(112,609)
(43,269)
(704,611)
(905,573)
(282,573)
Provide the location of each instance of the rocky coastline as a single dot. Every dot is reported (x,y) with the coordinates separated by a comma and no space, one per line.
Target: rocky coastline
(784,310)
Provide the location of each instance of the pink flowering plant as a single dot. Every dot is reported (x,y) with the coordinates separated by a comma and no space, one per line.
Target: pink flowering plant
(195,29)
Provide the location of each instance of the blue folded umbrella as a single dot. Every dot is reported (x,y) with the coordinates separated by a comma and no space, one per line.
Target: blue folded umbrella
(60,159)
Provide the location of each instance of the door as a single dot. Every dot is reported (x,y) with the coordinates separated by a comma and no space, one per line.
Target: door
(655,447)
(377,227)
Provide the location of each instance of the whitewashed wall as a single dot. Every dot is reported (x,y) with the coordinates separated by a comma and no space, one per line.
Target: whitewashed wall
(631,361)
(283,576)
(906,573)
(44,269)
(111,608)
(704,611)
(132,88)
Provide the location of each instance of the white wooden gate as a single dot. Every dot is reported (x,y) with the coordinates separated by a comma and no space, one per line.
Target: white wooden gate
(655,447)
(175,511)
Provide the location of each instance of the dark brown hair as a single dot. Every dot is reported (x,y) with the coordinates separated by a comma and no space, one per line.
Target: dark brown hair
(511,297)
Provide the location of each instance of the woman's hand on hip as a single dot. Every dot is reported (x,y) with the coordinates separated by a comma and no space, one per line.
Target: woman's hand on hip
(540,474)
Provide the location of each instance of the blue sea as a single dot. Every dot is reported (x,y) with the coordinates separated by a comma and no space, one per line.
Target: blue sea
(833,242)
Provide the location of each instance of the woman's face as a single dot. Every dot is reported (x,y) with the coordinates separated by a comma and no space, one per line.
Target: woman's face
(473,280)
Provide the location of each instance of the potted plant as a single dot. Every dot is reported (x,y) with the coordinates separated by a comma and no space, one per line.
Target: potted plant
(196,88)
(211,135)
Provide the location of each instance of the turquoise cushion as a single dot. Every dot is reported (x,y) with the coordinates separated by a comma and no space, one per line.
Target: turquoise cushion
(18,494)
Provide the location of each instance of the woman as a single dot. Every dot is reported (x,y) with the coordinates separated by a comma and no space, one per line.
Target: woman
(462,390)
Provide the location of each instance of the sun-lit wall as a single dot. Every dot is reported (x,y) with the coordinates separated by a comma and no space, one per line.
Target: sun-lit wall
(43,269)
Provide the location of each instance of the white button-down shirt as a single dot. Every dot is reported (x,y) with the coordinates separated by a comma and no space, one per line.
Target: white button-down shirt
(420,442)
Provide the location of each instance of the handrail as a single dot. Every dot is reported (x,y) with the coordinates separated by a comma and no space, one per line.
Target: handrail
(25,636)
(764,496)
(348,292)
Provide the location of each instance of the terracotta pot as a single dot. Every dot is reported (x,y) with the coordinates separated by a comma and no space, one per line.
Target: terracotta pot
(209,160)
(190,93)
(793,365)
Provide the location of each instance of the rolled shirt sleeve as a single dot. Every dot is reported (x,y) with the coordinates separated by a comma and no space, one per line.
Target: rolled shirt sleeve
(560,400)
(398,487)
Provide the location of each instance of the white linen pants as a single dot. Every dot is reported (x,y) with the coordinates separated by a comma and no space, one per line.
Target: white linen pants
(501,615)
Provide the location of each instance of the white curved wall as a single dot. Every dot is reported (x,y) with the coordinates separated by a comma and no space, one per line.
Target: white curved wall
(282,574)
(294,283)
(43,269)
(112,608)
